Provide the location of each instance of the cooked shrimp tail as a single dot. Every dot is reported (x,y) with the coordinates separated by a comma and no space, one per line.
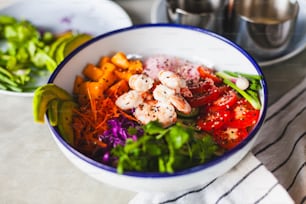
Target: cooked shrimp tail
(180,103)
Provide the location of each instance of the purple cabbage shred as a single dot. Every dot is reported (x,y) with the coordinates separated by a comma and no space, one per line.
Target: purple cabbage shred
(117,134)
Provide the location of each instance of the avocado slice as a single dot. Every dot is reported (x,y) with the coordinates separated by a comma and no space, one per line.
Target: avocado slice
(76,42)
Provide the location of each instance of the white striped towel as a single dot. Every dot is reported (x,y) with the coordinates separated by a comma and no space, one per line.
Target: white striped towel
(273,173)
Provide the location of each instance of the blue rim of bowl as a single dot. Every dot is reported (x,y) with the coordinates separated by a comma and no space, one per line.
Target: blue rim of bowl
(191,170)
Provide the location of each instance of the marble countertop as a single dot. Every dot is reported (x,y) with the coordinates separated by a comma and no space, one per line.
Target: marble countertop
(33,170)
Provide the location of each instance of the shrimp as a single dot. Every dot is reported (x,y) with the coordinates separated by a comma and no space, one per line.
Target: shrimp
(156,111)
(145,113)
(166,114)
(162,93)
(180,103)
(171,80)
(141,82)
(166,95)
(129,100)
(159,105)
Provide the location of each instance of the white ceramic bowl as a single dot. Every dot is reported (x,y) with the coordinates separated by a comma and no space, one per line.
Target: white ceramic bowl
(94,17)
(183,41)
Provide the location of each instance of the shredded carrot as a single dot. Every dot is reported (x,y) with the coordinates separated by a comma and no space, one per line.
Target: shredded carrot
(87,128)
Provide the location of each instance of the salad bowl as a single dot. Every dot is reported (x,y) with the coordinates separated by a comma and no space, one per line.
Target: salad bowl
(143,41)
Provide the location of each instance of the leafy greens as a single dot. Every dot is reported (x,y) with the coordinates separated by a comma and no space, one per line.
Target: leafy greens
(23,54)
(164,150)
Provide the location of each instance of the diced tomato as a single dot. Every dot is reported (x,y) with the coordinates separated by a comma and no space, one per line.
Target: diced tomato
(205,98)
(206,72)
(202,86)
(212,120)
(225,101)
(243,115)
(230,137)
(205,93)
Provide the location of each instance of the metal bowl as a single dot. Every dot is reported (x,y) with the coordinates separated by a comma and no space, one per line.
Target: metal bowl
(201,13)
(264,27)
